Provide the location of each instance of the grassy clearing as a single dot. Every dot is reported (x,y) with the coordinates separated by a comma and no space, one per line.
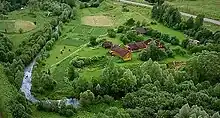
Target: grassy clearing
(56,52)
(169,31)
(23,15)
(176,58)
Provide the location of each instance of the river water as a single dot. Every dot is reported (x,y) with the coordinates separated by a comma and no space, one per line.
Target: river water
(26,87)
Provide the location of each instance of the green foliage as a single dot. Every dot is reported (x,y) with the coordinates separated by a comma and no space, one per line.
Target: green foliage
(204,66)
(57,107)
(120,29)
(6,49)
(43,82)
(21,30)
(80,62)
(190,23)
(116,81)
(72,73)
(93,41)
(179,51)
(131,36)
(199,21)
(153,52)
(174,41)
(86,98)
(111,33)
(194,111)
(168,15)
(130,22)
(125,9)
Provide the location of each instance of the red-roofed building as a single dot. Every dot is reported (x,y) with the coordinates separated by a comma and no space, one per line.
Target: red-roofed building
(136,46)
(121,52)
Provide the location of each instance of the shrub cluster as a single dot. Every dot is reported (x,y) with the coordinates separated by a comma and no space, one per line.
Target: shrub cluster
(80,62)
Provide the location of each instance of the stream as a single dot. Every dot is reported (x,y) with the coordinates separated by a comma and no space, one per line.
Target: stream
(26,87)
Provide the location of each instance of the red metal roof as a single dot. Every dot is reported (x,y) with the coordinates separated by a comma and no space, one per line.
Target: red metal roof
(121,51)
(137,45)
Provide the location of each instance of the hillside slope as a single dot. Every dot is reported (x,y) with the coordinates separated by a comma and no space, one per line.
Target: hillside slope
(7,93)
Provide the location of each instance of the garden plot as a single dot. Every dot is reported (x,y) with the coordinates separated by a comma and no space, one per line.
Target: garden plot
(97,21)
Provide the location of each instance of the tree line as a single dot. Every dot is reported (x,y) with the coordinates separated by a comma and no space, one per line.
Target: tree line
(153,90)
(171,17)
(38,43)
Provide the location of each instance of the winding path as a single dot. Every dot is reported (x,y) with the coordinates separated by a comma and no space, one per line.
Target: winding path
(182,13)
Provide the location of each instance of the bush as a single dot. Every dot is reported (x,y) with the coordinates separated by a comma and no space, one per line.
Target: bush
(120,29)
(107,99)
(125,9)
(174,41)
(179,51)
(95,4)
(130,22)
(72,73)
(86,98)
(93,41)
(21,30)
(111,33)
(82,5)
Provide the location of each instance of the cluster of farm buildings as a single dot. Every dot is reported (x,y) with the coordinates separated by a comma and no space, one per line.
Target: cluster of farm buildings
(125,53)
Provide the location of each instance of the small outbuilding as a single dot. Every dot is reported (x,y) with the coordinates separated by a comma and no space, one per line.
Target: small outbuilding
(107,44)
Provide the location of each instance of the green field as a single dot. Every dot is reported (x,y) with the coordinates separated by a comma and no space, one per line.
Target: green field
(73,43)
(210,8)
(23,15)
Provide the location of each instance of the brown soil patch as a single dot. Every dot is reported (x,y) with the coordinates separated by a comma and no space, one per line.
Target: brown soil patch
(97,21)
(25,25)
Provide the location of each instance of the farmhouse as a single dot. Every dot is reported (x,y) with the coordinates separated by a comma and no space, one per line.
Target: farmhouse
(121,52)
